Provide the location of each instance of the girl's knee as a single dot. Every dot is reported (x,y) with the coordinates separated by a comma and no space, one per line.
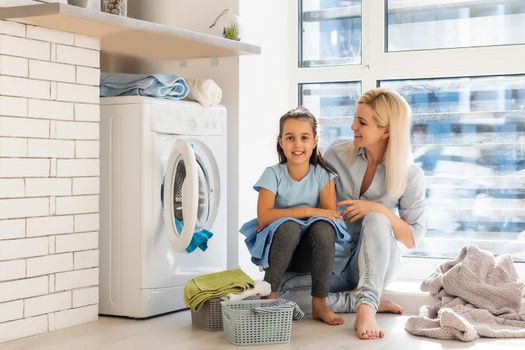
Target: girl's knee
(322,232)
(290,225)
(288,230)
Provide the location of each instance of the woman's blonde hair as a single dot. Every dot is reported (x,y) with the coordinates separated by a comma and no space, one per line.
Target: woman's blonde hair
(393,112)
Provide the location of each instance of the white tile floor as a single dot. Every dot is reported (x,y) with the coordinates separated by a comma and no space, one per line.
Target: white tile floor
(175,332)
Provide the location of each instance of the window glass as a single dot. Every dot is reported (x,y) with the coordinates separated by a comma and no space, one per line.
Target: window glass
(432,24)
(330,32)
(334,105)
(469,137)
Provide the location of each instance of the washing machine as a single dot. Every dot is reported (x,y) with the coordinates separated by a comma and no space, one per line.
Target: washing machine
(163,176)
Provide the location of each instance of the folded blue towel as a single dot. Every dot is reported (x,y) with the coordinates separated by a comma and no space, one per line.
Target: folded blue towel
(162,85)
(198,240)
(259,243)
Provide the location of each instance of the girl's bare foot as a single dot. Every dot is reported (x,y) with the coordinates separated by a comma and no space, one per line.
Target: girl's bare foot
(272,295)
(365,323)
(388,305)
(320,311)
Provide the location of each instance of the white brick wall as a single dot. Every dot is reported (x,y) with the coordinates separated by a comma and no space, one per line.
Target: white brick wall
(47,303)
(13,147)
(12,269)
(13,66)
(88,112)
(23,328)
(85,296)
(10,188)
(50,109)
(10,229)
(13,106)
(23,127)
(86,185)
(11,311)
(49,179)
(49,225)
(85,259)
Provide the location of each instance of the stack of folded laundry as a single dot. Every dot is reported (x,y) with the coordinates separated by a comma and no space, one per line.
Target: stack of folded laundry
(215,285)
(161,85)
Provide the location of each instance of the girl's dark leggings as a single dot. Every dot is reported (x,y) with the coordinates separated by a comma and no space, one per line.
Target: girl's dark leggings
(313,251)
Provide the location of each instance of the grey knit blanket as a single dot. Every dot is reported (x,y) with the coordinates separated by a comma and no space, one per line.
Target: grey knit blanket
(476,295)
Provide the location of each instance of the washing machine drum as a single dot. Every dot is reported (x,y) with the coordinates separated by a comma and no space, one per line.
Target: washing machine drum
(204,195)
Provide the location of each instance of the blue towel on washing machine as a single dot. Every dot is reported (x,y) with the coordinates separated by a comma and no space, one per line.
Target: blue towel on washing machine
(198,240)
(161,85)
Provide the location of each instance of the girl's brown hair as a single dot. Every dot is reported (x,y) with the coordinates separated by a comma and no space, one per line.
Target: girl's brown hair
(303,113)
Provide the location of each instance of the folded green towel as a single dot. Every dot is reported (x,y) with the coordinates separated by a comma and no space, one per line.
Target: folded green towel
(215,285)
(218,280)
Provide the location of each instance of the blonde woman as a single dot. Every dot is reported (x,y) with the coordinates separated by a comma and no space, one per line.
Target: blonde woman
(383,196)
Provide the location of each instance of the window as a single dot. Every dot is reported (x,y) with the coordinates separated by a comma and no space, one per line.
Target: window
(330,32)
(468,98)
(469,137)
(431,24)
(335,102)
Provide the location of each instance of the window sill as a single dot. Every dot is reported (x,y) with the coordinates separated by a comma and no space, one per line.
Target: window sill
(408,295)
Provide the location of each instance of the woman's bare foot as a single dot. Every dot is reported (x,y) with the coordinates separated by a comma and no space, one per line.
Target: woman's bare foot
(365,324)
(272,295)
(388,305)
(320,311)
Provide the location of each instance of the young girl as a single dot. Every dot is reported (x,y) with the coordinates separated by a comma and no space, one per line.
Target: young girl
(299,187)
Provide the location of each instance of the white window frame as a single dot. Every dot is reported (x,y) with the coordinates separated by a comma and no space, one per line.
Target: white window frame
(380,65)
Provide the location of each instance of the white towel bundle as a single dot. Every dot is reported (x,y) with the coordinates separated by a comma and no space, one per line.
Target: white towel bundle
(204,91)
(261,288)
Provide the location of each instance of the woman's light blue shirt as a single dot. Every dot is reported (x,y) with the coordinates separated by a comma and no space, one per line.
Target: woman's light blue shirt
(410,206)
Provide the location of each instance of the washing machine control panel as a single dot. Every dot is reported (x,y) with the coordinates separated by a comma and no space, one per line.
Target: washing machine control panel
(188,120)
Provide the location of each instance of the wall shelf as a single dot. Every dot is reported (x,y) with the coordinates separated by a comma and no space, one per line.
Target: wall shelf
(128,36)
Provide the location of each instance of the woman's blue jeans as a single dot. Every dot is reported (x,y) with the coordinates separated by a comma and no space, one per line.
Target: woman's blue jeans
(374,259)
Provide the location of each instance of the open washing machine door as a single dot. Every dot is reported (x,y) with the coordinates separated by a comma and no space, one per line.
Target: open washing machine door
(190,192)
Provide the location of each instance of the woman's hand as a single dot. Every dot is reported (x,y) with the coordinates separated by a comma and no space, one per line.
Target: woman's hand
(357,209)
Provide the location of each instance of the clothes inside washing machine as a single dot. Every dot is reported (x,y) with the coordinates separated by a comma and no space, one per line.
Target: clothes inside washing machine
(204,191)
